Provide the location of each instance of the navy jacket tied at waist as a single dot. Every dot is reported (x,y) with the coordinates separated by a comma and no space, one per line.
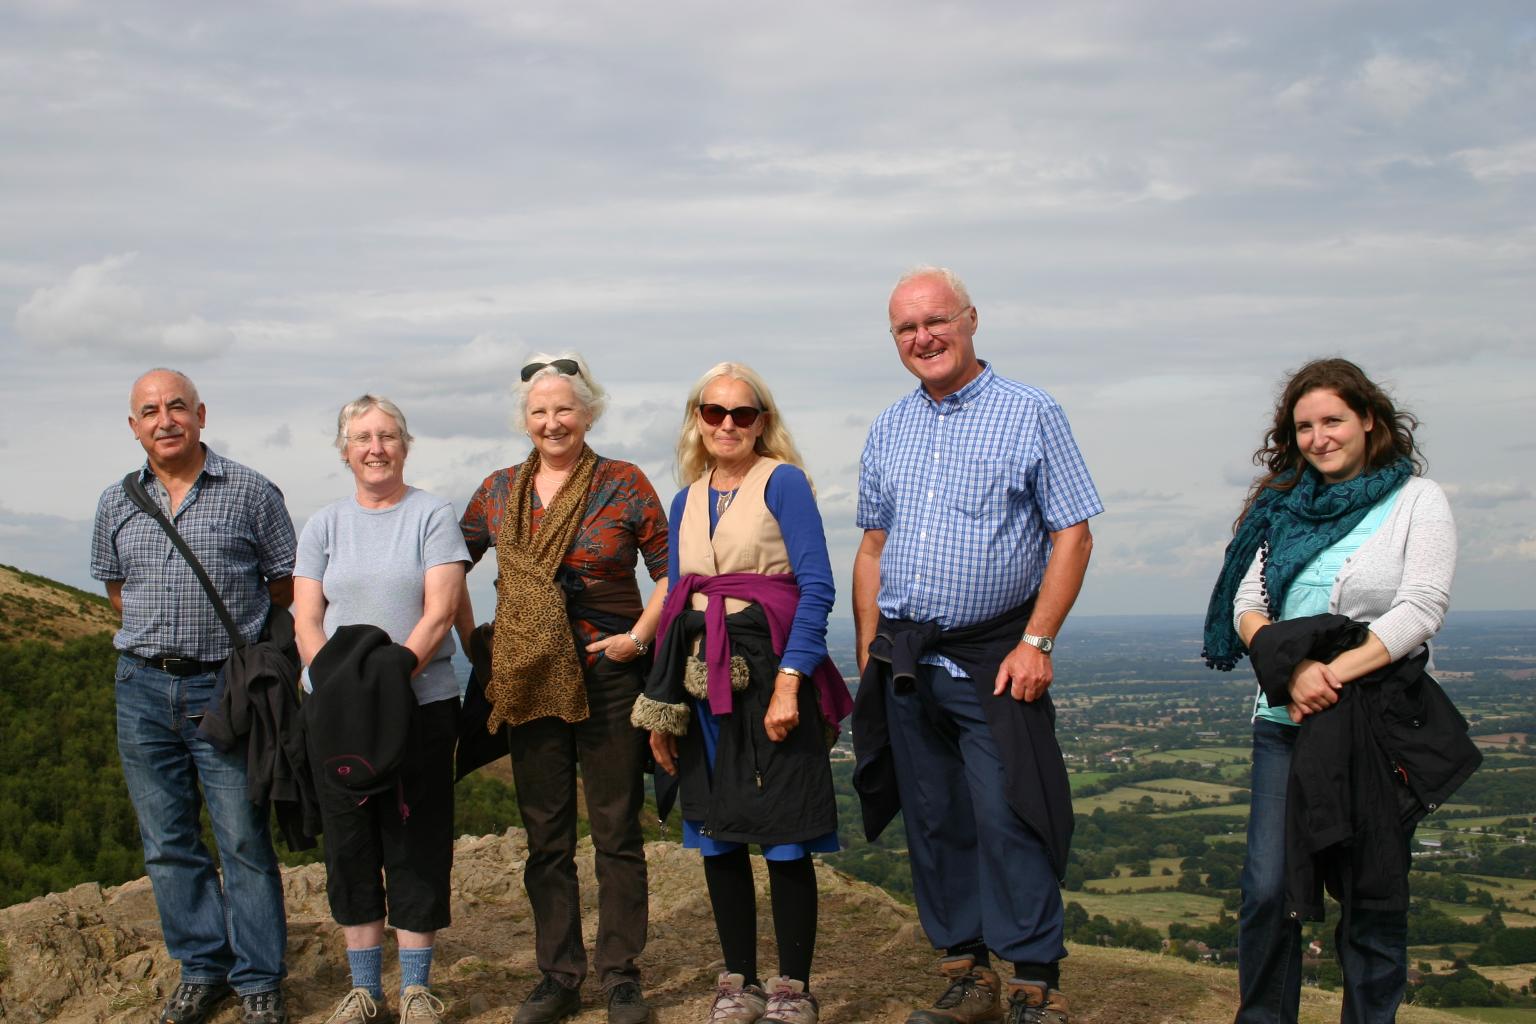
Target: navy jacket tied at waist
(1025,732)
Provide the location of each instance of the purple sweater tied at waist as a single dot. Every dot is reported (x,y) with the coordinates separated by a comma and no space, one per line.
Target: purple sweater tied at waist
(778,596)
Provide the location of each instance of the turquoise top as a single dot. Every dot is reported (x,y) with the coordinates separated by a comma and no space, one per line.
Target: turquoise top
(1311,591)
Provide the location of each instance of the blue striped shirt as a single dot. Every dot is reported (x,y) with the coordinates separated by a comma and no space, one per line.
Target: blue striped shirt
(234,521)
(968,490)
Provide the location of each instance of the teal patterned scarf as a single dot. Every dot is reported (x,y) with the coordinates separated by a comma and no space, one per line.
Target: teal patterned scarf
(1294,526)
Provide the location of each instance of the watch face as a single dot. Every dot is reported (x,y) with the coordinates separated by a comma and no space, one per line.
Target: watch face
(1046,643)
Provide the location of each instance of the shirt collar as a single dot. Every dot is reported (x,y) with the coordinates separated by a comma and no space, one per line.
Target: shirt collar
(213,465)
(966,395)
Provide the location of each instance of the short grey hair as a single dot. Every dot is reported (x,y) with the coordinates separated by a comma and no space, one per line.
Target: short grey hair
(944,274)
(355,408)
(191,387)
(586,388)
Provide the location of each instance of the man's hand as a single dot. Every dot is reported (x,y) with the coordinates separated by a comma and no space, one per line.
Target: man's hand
(1314,688)
(664,750)
(1026,673)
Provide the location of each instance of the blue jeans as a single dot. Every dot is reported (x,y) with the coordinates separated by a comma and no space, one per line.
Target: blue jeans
(1373,951)
(977,870)
(235,933)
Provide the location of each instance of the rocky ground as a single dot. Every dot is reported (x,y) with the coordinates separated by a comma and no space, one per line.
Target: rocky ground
(93,954)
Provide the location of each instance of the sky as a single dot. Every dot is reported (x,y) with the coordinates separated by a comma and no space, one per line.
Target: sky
(1160,210)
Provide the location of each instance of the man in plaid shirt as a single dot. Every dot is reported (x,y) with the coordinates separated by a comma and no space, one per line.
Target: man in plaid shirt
(229,937)
(974,502)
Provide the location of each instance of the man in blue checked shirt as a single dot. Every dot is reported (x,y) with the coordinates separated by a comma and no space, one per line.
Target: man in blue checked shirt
(229,937)
(974,502)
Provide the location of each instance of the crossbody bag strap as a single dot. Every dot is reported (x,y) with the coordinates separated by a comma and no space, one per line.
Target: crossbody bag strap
(134,488)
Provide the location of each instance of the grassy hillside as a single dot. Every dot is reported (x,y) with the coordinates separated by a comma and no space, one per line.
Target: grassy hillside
(37,608)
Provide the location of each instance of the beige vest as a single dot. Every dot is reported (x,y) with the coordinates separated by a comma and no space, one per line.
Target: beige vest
(747,538)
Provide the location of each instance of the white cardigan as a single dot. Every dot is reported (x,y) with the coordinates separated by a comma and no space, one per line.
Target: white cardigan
(1398,581)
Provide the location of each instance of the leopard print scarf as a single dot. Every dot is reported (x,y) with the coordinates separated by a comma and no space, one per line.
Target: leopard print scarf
(535,671)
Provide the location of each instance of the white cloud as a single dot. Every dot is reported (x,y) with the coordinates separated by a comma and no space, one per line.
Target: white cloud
(1500,163)
(1397,86)
(95,308)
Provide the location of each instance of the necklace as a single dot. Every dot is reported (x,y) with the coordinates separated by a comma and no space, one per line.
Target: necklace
(723,500)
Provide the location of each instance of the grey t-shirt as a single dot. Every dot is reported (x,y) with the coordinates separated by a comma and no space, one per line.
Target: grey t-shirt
(373,565)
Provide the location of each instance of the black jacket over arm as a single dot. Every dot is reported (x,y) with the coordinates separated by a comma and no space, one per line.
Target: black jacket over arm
(1364,772)
(1025,733)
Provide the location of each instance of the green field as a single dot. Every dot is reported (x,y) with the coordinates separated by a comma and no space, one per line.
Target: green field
(1199,755)
(1080,779)
(1165,794)
(1493,1014)
(1128,883)
(1154,909)
(1189,787)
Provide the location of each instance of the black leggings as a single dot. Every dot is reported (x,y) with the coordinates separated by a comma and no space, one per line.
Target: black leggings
(732,894)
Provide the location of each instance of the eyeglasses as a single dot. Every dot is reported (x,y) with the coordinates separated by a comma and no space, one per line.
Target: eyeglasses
(569,367)
(385,438)
(742,415)
(936,326)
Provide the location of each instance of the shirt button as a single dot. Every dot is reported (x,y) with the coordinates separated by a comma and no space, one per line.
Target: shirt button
(935,456)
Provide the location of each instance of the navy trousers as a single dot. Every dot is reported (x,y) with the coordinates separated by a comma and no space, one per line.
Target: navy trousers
(977,870)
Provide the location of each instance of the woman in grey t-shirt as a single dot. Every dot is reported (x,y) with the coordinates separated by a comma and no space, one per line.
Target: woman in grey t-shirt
(389,556)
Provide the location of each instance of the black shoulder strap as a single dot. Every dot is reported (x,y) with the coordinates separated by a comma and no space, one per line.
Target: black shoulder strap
(140,497)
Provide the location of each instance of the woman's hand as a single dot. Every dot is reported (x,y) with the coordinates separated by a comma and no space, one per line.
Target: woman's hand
(664,750)
(618,647)
(1314,688)
(783,707)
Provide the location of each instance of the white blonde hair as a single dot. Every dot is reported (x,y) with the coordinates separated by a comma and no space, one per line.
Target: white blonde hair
(774,442)
(362,404)
(583,385)
(944,274)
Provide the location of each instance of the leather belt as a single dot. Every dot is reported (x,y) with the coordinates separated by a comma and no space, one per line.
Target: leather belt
(178,666)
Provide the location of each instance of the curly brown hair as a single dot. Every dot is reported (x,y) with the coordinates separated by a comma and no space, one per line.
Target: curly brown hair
(1390,436)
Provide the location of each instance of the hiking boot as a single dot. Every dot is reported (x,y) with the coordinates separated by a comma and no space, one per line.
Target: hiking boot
(972,995)
(419,1006)
(549,1002)
(626,1005)
(736,1002)
(358,1007)
(193,1003)
(1032,1002)
(264,1008)
(789,1002)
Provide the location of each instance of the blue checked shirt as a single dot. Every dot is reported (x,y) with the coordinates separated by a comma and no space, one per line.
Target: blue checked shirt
(234,521)
(968,490)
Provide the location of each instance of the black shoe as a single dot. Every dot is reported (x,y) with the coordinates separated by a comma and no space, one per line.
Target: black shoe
(193,1003)
(626,1005)
(549,1002)
(264,1007)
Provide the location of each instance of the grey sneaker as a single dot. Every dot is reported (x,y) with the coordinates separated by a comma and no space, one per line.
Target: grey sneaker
(359,1007)
(549,1002)
(193,1003)
(264,1008)
(626,1004)
(419,1006)
(972,996)
(1032,1002)
(736,1002)
(789,1002)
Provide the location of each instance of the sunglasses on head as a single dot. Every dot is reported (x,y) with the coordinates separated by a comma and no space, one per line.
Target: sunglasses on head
(742,415)
(569,367)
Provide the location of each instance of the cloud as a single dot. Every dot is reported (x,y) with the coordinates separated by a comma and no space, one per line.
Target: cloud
(95,308)
(1490,494)
(1398,86)
(1500,163)
(282,437)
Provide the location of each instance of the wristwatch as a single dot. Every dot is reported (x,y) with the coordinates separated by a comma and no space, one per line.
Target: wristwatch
(1045,643)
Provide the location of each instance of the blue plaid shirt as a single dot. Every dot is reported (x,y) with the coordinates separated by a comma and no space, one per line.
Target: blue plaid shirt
(968,490)
(234,521)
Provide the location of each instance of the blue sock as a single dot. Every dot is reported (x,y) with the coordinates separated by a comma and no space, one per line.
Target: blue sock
(366,965)
(415,965)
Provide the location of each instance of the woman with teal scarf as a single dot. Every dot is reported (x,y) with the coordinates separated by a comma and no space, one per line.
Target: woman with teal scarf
(1342,521)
